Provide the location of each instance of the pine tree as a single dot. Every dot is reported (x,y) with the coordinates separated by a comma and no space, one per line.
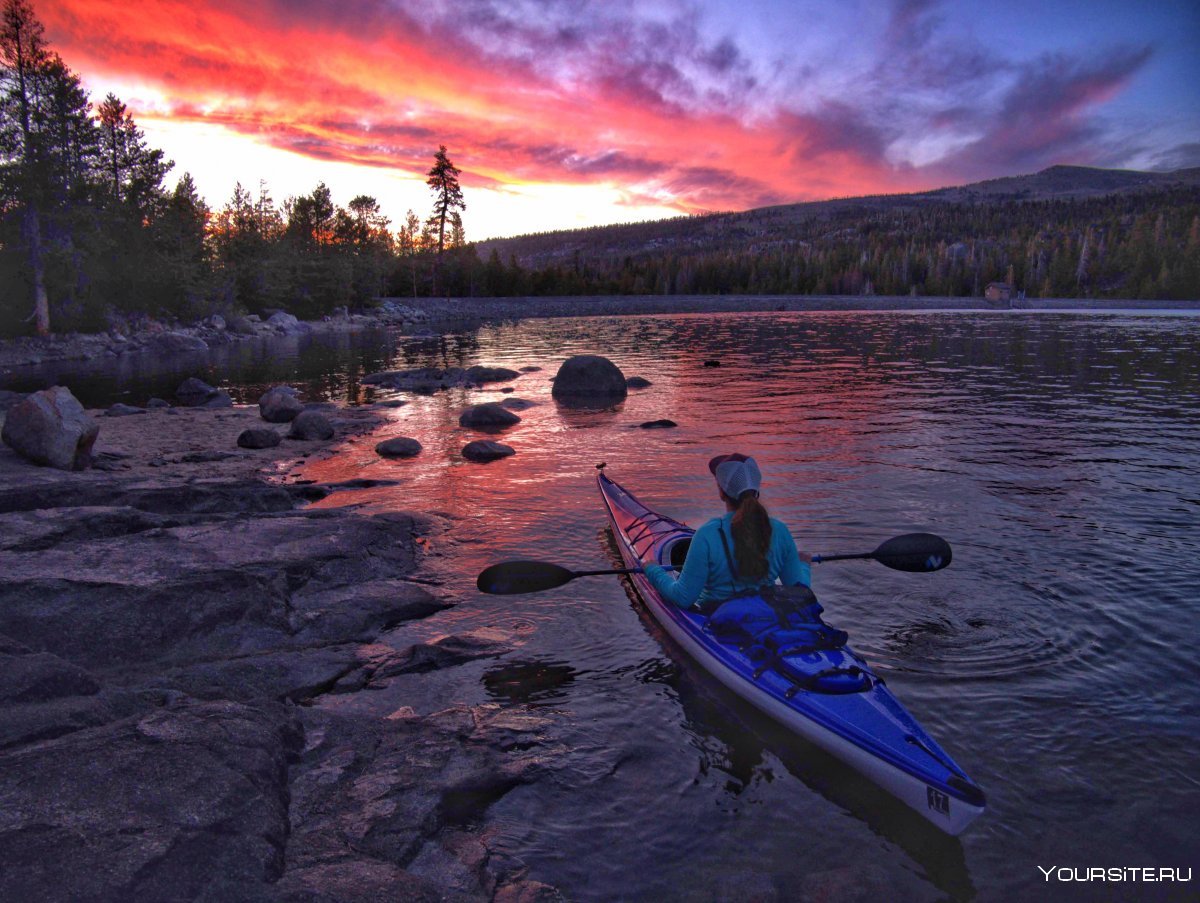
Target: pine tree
(447,195)
(25,56)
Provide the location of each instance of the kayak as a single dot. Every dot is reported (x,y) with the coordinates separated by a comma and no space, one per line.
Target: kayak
(799,673)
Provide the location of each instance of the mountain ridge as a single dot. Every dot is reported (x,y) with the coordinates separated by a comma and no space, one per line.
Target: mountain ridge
(1059,182)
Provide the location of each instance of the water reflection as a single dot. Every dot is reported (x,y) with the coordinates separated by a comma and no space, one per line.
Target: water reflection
(1057,453)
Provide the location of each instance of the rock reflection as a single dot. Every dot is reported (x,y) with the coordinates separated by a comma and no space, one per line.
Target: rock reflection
(529,681)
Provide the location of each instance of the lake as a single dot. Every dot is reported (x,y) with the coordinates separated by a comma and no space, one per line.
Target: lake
(1059,453)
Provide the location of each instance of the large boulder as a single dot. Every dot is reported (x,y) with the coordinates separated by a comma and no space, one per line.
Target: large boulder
(488,417)
(589,378)
(311,425)
(483,450)
(279,405)
(51,428)
(240,325)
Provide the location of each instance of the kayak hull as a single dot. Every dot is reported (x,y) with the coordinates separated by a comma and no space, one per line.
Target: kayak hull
(869,731)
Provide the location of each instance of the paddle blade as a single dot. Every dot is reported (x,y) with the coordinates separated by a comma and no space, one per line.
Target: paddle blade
(918,553)
(510,577)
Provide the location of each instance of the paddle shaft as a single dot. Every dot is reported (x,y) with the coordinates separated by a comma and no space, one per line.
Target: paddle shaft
(817,559)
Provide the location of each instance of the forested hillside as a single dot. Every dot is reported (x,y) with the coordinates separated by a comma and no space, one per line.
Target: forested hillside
(1065,232)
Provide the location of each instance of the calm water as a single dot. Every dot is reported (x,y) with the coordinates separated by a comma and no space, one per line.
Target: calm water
(1055,659)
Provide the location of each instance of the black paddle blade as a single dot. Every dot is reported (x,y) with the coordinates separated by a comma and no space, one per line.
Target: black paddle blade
(510,577)
(918,553)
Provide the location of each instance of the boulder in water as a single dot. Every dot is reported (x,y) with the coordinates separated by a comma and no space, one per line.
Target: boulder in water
(484,450)
(488,416)
(179,343)
(638,382)
(51,428)
(589,379)
(399,447)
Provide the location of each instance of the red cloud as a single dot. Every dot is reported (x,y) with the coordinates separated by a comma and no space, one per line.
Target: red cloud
(650,107)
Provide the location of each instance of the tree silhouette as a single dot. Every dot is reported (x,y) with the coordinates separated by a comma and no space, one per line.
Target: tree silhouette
(447,195)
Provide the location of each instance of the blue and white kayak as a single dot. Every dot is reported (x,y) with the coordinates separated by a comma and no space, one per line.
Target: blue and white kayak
(829,696)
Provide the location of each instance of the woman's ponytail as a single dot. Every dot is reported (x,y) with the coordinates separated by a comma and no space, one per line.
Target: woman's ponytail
(751,536)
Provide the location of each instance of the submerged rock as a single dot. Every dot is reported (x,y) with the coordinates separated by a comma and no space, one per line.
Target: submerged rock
(659,424)
(484,450)
(488,416)
(51,428)
(638,382)
(589,378)
(481,375)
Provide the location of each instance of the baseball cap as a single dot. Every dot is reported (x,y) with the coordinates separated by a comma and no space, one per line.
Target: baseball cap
(736,474)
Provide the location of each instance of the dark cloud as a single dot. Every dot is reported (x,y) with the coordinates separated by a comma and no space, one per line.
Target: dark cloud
(1181,156)
(1042,118)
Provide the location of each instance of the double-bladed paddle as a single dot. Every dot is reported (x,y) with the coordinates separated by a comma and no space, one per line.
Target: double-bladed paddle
(913,552)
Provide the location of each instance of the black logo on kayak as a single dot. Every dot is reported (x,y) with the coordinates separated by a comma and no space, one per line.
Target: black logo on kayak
(938,801)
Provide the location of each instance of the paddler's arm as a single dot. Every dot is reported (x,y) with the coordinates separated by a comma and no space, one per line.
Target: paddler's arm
(685,590)
(794,570)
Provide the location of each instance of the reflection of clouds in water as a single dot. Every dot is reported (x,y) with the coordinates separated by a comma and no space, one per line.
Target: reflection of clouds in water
(1062,473)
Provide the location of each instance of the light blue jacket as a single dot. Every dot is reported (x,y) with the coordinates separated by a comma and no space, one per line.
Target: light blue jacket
(706,575)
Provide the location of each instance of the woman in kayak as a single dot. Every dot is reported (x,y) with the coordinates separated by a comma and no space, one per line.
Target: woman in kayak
(734,555)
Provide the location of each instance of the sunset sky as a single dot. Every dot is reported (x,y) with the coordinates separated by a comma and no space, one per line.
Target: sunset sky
(566,113)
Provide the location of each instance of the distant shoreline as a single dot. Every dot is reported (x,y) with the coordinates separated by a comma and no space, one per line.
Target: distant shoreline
(411,314)
(458,309)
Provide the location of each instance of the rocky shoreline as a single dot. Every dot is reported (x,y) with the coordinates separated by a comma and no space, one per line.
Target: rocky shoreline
(414,314)
(173,627)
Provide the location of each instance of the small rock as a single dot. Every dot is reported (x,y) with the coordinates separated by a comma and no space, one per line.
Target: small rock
(260,437)
(659,424)
(310,425)
(507,390)
(531,369)
(486,450)
(123,410)
(487,416)
(279,405)
(518,404)
(712,363)
(51,428)
(638,382)
(399,447)
(155,403)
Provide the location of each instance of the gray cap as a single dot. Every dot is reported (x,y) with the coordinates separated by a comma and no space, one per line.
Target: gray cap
(736,474)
